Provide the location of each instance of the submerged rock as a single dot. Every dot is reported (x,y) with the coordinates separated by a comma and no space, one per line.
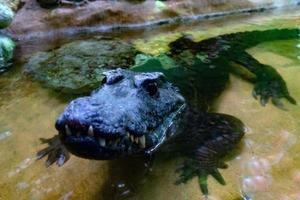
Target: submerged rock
(13,4)
(77,67)
(7,47)
(123,13)
(6,15)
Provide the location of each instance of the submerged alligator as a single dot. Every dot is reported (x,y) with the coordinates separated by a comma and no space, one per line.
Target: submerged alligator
(136,112)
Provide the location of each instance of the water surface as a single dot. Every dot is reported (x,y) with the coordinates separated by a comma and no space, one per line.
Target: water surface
(268,166)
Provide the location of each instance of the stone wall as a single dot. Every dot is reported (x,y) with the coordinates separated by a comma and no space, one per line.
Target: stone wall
(106,14)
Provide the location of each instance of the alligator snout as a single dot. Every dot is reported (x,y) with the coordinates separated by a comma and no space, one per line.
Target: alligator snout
(109,129)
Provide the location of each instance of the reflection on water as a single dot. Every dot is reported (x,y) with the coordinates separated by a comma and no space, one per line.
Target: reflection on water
(267,167)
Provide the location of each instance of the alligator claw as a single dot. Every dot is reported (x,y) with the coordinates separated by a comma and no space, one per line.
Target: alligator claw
(291,99)
(254,94)
(275,90)
(264,100)
(192,168)
(202,180)
(217,175)
(55,152)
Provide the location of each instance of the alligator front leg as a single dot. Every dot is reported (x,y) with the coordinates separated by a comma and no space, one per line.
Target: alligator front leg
(55,152)
(268,83)
(210,139)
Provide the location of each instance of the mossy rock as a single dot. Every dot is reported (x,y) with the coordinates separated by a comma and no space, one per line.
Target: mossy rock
(77,67)
(6,15)
(7,47)
(13,4)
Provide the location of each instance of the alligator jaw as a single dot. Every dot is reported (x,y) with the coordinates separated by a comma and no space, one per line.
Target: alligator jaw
(126,143)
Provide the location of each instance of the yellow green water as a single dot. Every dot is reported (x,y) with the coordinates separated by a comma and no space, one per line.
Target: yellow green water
(268,166)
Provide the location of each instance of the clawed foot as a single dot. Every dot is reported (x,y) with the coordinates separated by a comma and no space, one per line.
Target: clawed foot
(274,89)
(55,152)
(191,168)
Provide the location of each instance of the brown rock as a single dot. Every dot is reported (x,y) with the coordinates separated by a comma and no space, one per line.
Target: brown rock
(103,14)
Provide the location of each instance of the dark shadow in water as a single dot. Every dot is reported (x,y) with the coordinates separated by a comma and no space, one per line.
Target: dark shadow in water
(125,178)
(129,175)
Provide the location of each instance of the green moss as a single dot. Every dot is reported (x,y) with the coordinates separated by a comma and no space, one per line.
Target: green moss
(7,47)
(6,15)
(77,67)
(156,45)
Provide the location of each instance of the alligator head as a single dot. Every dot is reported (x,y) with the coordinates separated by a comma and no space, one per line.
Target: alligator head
(131,113)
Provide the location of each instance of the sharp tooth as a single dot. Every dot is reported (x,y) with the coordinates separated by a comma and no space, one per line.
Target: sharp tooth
(68,131)
(102,142)
(136,140)
(132,138)
(128,135)
(91,131)
(142,141)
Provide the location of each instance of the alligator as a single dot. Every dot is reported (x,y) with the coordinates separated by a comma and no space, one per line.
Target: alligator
(136,112)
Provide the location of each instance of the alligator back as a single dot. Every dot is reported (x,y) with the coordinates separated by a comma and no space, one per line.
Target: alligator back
(202,68)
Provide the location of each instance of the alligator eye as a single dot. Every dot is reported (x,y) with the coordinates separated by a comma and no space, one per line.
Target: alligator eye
(151,88)
(111,78)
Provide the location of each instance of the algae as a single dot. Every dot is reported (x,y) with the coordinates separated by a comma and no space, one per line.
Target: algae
(77,67)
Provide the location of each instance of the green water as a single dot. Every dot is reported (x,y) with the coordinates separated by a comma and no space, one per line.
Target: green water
(268,166)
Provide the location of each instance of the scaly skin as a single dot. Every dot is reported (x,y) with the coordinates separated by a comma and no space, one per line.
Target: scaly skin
(134,113)
(220,52)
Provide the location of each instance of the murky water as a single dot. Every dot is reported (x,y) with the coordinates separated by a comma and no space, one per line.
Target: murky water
(268,166)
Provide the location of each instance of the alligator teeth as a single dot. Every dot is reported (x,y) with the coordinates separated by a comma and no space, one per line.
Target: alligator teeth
(132,138)
(142,141)
(102,142)
(91,131)
(68,131)
(128,135)
(136,140)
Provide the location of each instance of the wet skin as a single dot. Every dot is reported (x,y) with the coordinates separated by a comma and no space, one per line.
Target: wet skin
(136,112)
